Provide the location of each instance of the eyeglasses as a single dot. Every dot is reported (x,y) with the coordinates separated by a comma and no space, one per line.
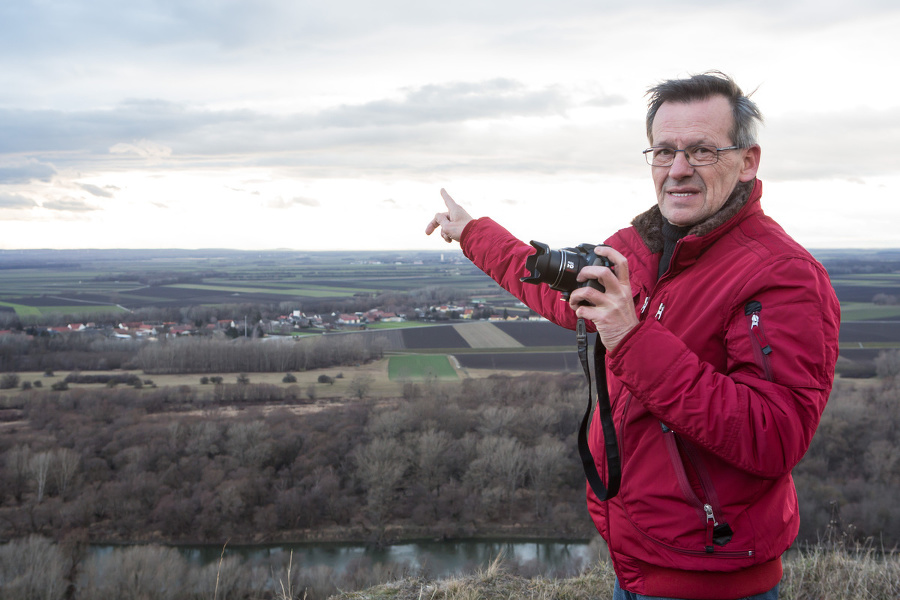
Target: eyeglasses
(697,156)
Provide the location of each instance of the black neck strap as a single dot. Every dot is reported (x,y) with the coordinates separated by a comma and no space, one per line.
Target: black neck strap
(613,464)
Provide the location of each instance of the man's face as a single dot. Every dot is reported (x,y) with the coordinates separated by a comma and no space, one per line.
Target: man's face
(687,195)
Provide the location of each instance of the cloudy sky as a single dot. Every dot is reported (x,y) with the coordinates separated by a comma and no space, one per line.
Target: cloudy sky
(258,124)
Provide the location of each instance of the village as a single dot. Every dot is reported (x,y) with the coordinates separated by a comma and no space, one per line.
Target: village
(295,323)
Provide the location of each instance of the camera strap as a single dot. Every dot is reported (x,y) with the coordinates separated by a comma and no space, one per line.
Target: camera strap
(613,463)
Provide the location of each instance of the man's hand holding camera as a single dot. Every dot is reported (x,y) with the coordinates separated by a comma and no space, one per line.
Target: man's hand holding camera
(612,311)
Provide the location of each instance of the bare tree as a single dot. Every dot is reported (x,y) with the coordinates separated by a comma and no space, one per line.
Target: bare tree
(249,442)
(65,465)
(360,385)
(881,460)
(146,572)
(32,568)
(887,366)
(498,470)
(546,461)
(17,466)
(39,467)
(380,466)
(432,449)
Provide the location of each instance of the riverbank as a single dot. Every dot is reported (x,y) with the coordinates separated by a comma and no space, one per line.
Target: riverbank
(391,535)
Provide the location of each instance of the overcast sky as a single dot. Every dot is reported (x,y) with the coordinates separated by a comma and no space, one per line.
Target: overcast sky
(259,124)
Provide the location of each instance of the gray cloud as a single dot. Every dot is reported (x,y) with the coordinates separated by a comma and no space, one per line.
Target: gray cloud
(26,172)
(96,190)
(498,98)
(106,28)
(68,205)
(155,129)
(418,131)
(16,201)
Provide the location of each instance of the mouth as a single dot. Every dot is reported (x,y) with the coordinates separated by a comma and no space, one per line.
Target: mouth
(682,193)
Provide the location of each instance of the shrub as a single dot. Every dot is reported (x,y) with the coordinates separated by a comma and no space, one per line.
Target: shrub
(289,378)
(326,379)
(9,381)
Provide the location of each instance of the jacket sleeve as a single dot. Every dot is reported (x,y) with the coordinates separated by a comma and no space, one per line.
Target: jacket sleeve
(759,410)
(502,256)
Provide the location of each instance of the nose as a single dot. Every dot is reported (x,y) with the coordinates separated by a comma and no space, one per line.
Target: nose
(680,167)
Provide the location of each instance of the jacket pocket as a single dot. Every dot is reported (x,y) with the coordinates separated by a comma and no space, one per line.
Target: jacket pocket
(758,340)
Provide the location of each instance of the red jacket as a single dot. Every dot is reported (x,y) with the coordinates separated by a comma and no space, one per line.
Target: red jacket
(743,386)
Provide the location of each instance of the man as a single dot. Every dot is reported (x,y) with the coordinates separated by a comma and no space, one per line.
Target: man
(721,335)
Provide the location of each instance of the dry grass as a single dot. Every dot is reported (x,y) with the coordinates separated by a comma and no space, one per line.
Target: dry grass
(494,582)
(819,573)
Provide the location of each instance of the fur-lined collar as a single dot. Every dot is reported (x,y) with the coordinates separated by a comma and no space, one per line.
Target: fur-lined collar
(649,224)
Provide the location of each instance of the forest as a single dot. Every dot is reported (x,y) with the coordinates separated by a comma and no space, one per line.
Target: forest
(451,460)
(454,460)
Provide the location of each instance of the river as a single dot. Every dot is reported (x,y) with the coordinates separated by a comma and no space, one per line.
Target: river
(432,558)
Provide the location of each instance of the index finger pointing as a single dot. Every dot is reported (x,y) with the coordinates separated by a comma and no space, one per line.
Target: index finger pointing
(451,204)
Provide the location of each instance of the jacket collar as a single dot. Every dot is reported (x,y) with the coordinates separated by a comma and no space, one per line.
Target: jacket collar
(745,195)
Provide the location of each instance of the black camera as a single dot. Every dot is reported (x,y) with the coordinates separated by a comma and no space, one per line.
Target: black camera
(559,268)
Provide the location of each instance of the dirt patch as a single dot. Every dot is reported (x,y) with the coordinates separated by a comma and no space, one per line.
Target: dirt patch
(482,334)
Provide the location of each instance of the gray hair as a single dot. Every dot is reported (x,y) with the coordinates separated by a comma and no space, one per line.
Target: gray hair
(747,116)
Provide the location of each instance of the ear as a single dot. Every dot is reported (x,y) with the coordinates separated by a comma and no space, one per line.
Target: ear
(750,164)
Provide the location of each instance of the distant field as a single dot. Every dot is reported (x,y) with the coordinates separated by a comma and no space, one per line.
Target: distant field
(85,279)
(439,336)
(866,311)
(22,310)
(483,334)
(419,367)
(35,283)
(398,324)
(312,291)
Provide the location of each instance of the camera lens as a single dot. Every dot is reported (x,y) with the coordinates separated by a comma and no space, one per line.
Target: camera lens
(557,268)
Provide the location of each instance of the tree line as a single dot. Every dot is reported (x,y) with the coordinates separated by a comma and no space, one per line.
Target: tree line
(84,351)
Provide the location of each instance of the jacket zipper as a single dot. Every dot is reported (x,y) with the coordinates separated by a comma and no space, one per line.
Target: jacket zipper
(709,507)
(761,347)
(718,554)
(711,525)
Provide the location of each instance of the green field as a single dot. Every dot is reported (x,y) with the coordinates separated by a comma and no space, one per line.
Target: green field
(398,325)
(866,311)
(418,367)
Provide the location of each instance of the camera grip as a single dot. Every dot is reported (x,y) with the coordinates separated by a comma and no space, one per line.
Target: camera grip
(599,261)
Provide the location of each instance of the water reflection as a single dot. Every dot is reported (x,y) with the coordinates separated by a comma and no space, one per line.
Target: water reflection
(435,558)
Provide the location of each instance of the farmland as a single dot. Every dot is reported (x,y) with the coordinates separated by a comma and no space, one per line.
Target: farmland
(35,285)
(39,282)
